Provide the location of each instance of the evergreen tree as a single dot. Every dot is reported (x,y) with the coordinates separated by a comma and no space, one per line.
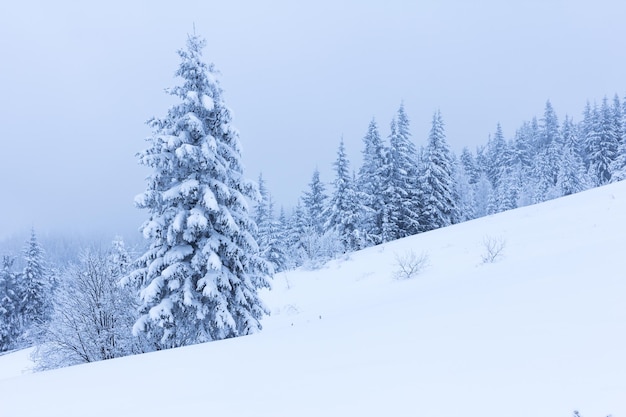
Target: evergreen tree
(293,227)
(618,119)
(571,175)
(550,151)
(268,230)
(371,184)
(344,211)
(502,172)
(315,203)
(402,192)
(618,166)
(496,157)
(437,180)
(201,273)
(34,288)
(602,144)
(469,166)
(550,126)
(273,237)
(10,323)
(261,213)
(524,145)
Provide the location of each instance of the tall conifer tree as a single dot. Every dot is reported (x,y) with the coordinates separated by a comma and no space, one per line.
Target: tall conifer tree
(201,273)
(437,180)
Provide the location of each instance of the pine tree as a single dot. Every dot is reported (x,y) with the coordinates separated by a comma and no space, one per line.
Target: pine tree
(571,175)
(467,177)
(277,252)
(437,180)
(602,143)
(618,166)
(371,184)
(269,238)
(550,126)
(10,323)
(401,191)
(202,270)
(344,211)
(34,288)
(496,157)
(315,203)
(261,213)
(266,226)
(502,172)
(469,166)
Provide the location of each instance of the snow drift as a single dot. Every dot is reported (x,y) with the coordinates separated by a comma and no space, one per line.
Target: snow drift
(541,331)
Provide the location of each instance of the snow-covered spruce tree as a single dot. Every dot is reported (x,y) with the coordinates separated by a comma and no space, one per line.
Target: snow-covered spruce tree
(502,170)
(35,285)
(296,228)
(618,166)
(371,183)
(10,323)
(401,191)
(496,157)
(571,177)
(602,143)
(277,252)
(261,215)
(437,180)
(343,213)
(315,203)
(464,191)
(268,234)
(201,273)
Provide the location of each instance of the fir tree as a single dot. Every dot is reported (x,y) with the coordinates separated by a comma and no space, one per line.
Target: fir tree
(34,288)
(437,180)
(269,235)
(571,177)
(401,191)
(496,157)
(502,172)
(10,323)
(201,273)
(344,211)
(618,166)
(371,183)
(315,203)
(468,165)
(602,144)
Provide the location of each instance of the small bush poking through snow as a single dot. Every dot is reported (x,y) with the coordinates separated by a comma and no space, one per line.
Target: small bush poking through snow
(409,264)
(494,248)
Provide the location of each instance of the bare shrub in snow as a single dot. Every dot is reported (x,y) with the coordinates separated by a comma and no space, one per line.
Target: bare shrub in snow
(493,248)
(409,264)
(92,316)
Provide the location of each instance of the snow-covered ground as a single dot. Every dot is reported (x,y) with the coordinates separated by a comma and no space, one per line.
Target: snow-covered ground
(540,332)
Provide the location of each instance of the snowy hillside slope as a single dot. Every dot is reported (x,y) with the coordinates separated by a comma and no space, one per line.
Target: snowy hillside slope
(540,332)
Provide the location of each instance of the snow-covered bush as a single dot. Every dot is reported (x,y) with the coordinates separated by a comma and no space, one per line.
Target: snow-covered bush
(92,314)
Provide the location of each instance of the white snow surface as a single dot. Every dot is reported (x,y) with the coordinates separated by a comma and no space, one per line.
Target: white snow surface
(541,332)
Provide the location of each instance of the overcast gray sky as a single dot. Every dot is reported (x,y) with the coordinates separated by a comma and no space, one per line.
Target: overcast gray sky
(78,80)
